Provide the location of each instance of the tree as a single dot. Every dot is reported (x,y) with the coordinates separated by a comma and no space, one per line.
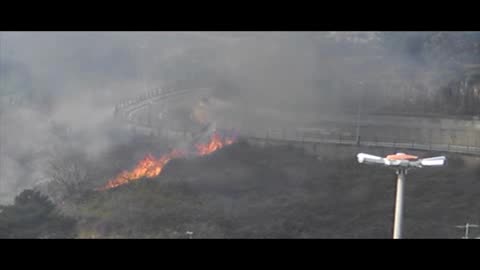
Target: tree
(33,215)
(70,173)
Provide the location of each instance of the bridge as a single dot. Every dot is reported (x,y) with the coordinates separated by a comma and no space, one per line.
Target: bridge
(394,132)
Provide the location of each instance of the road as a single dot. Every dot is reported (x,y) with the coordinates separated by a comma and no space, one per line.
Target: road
(406,132)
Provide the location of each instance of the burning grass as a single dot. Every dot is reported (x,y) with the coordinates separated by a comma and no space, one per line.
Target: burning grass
(244,191)
(151,166)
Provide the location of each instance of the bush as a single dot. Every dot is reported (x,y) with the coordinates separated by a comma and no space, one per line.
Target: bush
(33,215)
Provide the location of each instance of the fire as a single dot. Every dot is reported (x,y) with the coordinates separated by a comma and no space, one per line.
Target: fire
(150,166)
(215,143)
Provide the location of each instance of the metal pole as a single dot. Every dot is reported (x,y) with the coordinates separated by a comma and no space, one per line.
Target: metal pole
(357,136)
(359,114)
(397,229)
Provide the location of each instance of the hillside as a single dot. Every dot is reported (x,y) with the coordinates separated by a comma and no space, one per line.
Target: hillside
(59,136)
(243,191)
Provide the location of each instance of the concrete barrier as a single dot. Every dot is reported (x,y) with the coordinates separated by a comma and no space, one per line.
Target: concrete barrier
(443,135)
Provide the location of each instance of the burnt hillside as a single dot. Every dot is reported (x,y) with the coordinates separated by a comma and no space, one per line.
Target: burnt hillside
(242,191)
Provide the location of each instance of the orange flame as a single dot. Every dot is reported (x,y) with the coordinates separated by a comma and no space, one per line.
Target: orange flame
(150,167)
(215,143)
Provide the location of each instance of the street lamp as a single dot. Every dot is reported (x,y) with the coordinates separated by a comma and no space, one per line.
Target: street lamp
(402,163)
(359,112)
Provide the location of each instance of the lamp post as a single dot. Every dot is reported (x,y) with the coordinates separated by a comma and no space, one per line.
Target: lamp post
(359,112)
(402,163)
(397,227)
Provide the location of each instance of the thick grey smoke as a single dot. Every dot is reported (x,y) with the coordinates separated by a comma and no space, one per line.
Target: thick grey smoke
(73,80)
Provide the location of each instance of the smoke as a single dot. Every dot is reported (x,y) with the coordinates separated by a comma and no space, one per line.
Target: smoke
(72,81)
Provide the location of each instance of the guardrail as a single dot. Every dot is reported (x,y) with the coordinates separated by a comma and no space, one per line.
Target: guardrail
(127,108)
(293,135)
(300,137)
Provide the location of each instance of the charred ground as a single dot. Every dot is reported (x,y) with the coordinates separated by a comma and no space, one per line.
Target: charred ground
(246,191)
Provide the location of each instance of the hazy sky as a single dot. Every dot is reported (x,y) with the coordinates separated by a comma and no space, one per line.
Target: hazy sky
(82,75)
